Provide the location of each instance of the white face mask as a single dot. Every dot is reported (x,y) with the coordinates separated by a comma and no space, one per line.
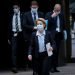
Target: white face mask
(34,9)
(16,10)
(40,28)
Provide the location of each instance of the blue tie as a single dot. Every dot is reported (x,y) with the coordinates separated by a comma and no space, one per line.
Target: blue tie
(34,18)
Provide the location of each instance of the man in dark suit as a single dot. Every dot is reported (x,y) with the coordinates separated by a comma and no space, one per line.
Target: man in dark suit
(30,18)
(29,21)
(38,51)
(15,35)
(56,25)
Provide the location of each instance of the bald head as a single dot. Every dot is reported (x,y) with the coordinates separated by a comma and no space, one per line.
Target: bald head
(57,8)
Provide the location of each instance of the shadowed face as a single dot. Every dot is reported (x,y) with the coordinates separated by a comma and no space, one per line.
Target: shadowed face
(57,8)
(16,9)
(34,6)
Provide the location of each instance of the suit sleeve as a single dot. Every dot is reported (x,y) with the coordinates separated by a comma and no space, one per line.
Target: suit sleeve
(53,44)
(9,27)
(31,44)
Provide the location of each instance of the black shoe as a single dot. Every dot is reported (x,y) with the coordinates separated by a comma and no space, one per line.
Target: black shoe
(14,70)
(56,70)
(34,73)
(52,71)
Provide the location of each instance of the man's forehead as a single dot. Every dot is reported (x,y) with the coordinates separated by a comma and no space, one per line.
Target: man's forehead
(34,6)
(34,3)
(57,6)
(15,6)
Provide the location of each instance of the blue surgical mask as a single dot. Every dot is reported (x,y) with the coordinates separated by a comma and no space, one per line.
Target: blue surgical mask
(34,9)
(40,27)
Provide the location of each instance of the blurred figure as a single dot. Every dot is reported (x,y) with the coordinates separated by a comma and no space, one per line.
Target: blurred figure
(29,23)
(73,25)
(15,35)
(38,51)
(56,25)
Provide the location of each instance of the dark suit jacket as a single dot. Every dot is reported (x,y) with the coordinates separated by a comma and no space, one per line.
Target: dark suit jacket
(28,23)
(52,22)
(10,33)
(34,47)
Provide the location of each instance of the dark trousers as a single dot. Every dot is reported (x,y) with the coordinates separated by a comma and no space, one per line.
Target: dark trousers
(58,38)
(28,63)
(41,64)
(27,38)
(17,49)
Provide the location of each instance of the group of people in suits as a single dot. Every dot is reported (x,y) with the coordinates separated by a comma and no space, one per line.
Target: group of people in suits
(27,33)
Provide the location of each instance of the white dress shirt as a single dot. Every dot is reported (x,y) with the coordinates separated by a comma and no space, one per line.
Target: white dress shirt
(19,23)
(41,41)
(58,24)
(33,15)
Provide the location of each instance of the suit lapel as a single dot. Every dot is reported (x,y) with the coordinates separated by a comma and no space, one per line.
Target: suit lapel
(31,18)
(37,44)
(60,17)
(21,17)
(46,38)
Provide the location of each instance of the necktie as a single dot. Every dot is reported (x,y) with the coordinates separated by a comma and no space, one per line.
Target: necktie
(16,22)
(34,18)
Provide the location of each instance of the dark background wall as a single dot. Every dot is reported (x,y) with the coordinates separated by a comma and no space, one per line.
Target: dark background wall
(45,5)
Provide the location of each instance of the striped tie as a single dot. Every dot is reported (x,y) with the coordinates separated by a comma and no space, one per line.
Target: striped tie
(16,22)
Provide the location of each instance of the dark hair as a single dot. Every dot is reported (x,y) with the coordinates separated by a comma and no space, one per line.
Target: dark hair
(16,5)
(42,20)
(34,2)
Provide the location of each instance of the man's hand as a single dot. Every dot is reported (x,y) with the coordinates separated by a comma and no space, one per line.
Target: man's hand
(9,42)
(54,15)
(50,49)
(30,57)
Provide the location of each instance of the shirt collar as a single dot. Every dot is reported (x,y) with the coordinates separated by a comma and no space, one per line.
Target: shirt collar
(18,13)
(39,34)
(33,13)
